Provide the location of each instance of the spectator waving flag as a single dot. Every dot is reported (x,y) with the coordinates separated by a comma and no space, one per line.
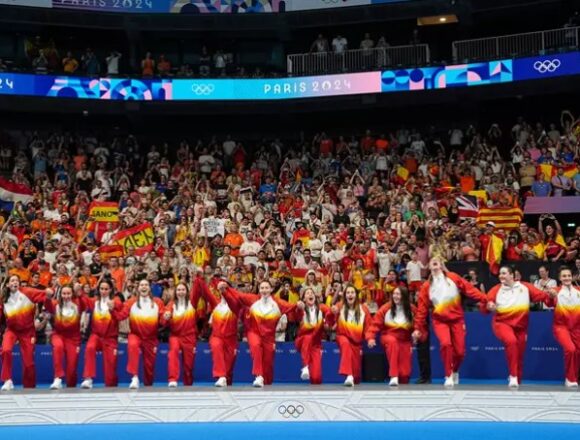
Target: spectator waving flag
(493,254)
(468,206)
(11,193)
(504,217)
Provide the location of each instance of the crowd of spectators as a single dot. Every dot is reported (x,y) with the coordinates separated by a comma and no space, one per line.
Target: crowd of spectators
(321,212)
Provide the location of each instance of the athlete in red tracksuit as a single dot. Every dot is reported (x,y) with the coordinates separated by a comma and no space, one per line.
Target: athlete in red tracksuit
(352,323)
(395,322)
(107,311)
(311,316)
(145,316)
(18,306)
(566,326)
(66,335)
(263,315)
(511,302)
(181,316)
(443,293)
(223,341)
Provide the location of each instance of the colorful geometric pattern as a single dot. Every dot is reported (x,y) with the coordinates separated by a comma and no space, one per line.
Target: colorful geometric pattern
(460,75)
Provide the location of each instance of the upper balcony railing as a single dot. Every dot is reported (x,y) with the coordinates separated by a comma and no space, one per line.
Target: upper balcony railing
(358,60)
(517,45)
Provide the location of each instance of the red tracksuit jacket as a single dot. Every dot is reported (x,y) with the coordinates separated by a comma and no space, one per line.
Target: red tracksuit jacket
(67,320)
(444,294)
(145,316)
(351,328)
(315,325)
(399,326)
(566,307)
(105,322)
(20,308)
(263,314)
(183,321)
(513,304)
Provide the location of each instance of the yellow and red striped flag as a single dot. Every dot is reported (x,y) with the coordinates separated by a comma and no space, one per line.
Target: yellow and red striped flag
(504,218)
(493,254)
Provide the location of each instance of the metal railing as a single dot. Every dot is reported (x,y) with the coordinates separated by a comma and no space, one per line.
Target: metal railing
(358,60)
(511,46)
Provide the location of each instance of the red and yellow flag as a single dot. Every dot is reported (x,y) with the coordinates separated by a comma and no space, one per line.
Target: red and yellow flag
(110,251)
(139,238)
(493,254)
(504,218)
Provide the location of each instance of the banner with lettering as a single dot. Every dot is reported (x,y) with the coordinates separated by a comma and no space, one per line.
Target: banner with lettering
(104,212)
(139,238)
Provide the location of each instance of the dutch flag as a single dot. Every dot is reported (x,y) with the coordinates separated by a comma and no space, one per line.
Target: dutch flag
(11,192)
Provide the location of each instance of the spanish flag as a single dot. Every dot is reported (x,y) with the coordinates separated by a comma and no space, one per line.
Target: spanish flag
(493,254)
(570,171)
(402,174)
(504,218)
(110,251)
(548,170)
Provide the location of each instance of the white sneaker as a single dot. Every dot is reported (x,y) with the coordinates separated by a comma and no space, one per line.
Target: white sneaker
(449,382)
(8,386)
(87,384)
(305,373)
(394,382)
(349,382)
(258,382)
(172,384)
(455,378)
(513,382)
(134,385)
(56,384)
(222,382)
(569,384)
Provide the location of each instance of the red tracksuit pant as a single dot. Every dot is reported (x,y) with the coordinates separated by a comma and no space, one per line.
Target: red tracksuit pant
(109,348)
(66,348)
(399,356)
(350,358)
(262,352)
(451,336)
(311,353)
(514,340)
(148,347)
(186,346)
(569,339)
(26,341)
(223,354)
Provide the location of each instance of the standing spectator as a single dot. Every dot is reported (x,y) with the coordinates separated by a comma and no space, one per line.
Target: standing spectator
(147,65)
(219,63)
(561,183)
(113,63)
(69,64)
(204,63)
(541,188)
(90,62)
(320,45)
(40,63)
(339,44)
(163,66)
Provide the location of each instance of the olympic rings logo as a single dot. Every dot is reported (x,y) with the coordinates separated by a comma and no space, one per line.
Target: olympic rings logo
(547,65)
(293,411)
(202,89)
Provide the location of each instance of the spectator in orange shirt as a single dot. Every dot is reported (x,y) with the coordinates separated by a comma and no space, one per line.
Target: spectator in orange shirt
(87,278)
(117,273)
(45,276)
(20,270)
(467,181)
(234,240)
